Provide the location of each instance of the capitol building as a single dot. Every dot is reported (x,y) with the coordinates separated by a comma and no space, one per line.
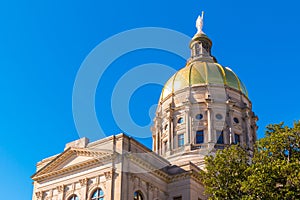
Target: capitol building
(203,108)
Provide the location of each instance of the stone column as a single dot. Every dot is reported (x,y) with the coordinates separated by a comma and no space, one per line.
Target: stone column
(188,132)
(108,185)
(209,125)
(248,140)
(157,131)
(171,129)
(247,127)
(187,124)
(231,133)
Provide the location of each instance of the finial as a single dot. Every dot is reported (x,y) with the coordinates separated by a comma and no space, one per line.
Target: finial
(199,23)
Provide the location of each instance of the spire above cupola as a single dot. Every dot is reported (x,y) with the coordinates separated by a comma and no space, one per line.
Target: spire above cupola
(200,44)
(199,24)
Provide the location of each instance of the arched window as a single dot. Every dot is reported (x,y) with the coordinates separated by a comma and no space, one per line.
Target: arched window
(73,197)
(98,194)
(138,195)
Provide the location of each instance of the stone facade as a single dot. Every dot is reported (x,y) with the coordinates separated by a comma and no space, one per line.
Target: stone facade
(119,166)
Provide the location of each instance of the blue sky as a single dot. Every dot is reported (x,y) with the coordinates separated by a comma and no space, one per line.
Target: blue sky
(43,43)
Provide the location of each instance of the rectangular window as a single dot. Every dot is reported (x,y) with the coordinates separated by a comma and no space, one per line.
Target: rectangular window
(180,140)
(220,137)
(236,138)
(199,137)
(165,146)
(177,198)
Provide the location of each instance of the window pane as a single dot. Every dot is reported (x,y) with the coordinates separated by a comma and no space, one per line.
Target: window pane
(199,137)
(98,194)
(101,193)
(180,140)
(95,194)
(237,138)
(220,137)
(137,195)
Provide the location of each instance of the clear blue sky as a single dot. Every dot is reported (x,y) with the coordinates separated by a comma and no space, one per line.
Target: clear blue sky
(43,43)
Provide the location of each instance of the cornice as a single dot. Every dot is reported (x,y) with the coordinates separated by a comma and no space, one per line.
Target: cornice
(49,170)
(148,167)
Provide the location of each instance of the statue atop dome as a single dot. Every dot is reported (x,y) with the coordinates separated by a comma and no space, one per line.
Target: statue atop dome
(199,23)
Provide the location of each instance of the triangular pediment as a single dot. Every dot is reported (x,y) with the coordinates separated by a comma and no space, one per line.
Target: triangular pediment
(72,158)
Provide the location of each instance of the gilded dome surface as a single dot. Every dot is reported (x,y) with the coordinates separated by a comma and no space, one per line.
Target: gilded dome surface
(199,73)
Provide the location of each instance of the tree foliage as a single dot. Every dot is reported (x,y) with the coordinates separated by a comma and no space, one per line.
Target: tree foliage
(225,173)
(273,172)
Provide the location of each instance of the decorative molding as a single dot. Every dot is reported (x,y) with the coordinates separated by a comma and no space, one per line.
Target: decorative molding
(39,194)
(108,175)
(68,153)
(60,188)
(151,187)
(83,182)
(47,172)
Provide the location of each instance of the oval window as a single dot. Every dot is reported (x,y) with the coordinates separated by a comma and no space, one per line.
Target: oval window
(219,116)
(180,120)
(199,116)
(236,120)
(166,126)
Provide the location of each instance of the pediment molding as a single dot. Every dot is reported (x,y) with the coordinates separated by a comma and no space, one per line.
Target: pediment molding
(52,168)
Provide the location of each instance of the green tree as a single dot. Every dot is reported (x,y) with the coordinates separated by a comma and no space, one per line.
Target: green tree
(274,172)
(225,172)
(275,169)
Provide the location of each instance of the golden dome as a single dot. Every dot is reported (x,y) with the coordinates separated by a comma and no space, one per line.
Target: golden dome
(199,73)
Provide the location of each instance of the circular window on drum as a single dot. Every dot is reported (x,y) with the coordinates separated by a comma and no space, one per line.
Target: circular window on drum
(219,116)
(236,120)
(166,127)
(199,116)
(180,120)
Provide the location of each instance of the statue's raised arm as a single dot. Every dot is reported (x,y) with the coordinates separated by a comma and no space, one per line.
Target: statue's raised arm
(199,23)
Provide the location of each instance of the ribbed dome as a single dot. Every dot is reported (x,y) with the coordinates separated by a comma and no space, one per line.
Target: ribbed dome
(200,73)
